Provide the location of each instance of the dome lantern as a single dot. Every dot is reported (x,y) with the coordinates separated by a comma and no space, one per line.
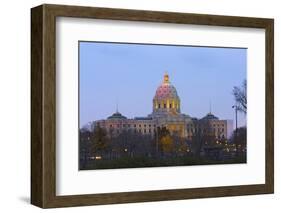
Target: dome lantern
(166,78)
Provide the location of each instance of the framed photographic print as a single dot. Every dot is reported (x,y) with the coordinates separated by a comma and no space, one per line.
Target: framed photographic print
(136,106)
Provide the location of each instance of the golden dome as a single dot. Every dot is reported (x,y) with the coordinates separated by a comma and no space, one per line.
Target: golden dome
(166,90)
(166,99)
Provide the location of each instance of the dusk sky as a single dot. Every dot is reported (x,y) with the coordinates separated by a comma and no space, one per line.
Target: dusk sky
(129,74)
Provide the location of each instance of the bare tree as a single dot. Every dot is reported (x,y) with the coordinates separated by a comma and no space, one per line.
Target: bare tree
(84,147)
(99,141)
(240,96)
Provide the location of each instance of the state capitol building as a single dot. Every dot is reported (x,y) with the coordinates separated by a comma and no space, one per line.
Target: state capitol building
(167,113)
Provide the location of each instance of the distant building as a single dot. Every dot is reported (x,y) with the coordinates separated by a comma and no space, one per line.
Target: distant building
(166,113)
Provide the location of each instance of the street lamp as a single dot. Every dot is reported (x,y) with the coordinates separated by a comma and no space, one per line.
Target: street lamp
(236,110)
(235,107)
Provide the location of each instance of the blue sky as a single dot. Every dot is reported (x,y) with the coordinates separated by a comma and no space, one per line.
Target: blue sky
(129,74)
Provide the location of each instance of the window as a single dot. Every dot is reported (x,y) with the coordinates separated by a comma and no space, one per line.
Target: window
(149,125)
(135,125)
(159,106)
(170,105)
(144,130)
(139,125)
(144,125)
(149,130)
(164,105)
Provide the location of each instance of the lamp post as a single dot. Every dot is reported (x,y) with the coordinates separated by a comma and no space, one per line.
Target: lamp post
(236,110)
(236,128)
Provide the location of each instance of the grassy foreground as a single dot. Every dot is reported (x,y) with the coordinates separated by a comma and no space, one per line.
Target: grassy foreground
(139,162)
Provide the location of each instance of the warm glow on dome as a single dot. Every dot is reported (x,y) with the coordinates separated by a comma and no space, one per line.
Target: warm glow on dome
(166,90)
(166,98)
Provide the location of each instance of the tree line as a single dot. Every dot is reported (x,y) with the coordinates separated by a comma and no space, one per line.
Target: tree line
(101,145)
